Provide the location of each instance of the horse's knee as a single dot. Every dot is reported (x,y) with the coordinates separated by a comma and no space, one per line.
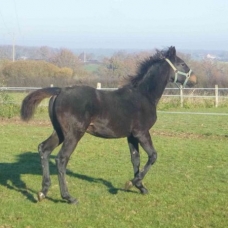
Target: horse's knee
(41,150)
(153,157)
(135,157)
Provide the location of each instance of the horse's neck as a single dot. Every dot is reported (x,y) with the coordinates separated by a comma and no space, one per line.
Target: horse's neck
(155,82)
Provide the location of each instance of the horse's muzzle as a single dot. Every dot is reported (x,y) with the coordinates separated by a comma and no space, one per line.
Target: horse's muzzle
(192,80)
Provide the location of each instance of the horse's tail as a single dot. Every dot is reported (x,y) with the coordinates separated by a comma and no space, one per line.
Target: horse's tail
(32,100)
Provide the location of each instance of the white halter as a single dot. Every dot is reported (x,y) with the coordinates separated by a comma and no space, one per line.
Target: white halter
(177,72)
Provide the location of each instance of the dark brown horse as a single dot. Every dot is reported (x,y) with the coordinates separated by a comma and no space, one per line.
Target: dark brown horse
(129,111)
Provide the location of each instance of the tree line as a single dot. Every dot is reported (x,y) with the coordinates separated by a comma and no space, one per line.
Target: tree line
(61,67)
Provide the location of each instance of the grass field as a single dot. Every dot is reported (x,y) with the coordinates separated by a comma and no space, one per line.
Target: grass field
(91,67)
(188,184)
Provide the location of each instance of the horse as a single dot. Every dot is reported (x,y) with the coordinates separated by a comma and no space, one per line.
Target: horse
(129,111)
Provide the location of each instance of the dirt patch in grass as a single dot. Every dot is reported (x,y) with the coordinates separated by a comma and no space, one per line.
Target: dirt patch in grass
(18,121)
(184,135)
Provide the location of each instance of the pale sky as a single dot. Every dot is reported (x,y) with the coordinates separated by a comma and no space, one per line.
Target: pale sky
(117,24)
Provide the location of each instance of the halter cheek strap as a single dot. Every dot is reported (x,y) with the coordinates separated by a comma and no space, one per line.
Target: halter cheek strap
(177,72)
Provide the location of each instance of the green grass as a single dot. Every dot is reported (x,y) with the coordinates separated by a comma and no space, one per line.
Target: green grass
(187,184)
(91,67)
(10,103)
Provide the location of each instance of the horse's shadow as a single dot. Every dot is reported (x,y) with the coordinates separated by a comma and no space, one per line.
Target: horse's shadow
(29,163)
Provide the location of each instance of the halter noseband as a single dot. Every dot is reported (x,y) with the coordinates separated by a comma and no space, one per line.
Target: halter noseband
(177,72)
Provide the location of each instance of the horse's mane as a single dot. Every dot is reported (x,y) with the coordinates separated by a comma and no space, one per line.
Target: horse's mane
(145,65)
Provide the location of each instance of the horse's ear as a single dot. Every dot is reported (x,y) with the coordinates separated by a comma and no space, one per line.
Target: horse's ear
(171,52)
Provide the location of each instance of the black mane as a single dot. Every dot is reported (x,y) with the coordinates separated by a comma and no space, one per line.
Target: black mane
(146,64)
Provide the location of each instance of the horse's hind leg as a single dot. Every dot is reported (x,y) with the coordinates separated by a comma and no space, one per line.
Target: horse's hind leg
(69,144)
(45,148)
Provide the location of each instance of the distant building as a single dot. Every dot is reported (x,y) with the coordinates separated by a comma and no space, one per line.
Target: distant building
(209,56)
(22,58)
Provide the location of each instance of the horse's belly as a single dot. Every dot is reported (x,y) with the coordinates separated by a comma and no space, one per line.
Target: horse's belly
(106,131)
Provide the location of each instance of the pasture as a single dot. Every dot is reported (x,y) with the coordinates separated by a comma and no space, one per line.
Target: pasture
(187,184)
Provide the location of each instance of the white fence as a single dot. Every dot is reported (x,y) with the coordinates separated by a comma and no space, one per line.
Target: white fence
(217,94)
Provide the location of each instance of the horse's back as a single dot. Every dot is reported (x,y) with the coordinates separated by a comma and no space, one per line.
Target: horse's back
(78,99)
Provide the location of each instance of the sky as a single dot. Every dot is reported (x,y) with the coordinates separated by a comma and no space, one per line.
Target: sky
(115,24)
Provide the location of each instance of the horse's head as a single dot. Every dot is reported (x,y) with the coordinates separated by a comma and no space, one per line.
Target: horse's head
(180,73)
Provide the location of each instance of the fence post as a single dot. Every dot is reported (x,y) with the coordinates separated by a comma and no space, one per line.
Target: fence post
(181,96)
(216,96)
(98,85)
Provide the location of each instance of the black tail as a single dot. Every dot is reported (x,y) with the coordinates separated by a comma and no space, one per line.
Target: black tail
(31,101)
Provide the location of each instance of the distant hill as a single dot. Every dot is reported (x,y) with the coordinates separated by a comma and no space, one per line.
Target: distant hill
(201,54)
(44,53)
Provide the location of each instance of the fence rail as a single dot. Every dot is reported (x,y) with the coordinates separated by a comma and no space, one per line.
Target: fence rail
(216,93)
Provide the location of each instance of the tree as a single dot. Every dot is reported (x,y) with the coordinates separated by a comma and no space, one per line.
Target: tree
(45,53)
(66,58)
(215,73)
(35,73)
(120,66)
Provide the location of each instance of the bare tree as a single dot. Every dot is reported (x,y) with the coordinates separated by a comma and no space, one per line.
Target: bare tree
(45,53)
(66,58)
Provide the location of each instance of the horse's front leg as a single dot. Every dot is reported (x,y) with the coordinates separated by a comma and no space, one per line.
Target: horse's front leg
(135,158)
(146,143)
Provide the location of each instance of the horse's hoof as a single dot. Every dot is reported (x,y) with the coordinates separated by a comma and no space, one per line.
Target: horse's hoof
(40,196)
(128,185)
(73,201)
(144,191)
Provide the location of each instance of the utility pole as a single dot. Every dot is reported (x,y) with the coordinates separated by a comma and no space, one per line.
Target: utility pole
(13,48)
(84,57)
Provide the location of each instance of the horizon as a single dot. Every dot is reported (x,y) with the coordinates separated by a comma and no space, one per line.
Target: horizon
(118,49)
